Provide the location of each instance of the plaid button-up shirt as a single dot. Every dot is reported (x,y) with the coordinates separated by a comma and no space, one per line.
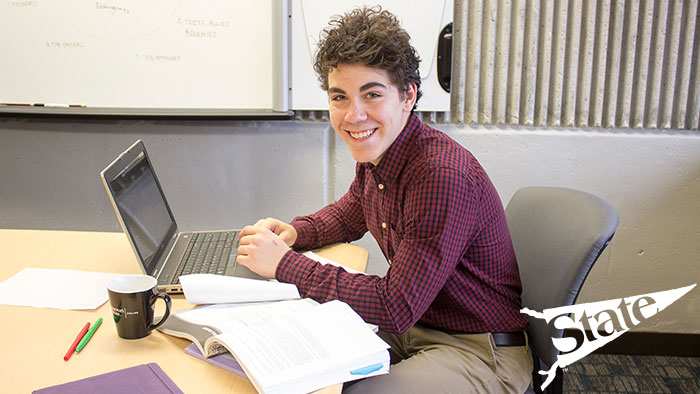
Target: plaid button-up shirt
(441,226)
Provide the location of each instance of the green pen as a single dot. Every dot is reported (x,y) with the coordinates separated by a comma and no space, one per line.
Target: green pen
(87,336)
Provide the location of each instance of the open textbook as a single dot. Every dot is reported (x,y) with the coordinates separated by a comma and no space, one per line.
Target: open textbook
(293,346)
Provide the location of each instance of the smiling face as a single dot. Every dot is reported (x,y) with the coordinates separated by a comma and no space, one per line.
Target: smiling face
(367,110)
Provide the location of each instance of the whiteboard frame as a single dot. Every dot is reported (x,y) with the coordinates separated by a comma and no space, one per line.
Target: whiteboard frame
(280,94)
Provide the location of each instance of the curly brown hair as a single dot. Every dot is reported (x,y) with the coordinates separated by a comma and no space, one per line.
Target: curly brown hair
(372,37)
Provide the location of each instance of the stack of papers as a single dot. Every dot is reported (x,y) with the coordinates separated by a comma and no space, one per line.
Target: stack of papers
(219,289)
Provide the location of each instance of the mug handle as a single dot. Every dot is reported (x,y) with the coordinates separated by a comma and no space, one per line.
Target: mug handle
(168,304)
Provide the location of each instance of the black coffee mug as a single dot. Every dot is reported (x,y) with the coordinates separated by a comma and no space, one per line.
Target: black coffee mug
(132,298)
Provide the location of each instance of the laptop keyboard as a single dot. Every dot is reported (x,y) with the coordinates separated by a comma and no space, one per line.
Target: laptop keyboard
(213,253)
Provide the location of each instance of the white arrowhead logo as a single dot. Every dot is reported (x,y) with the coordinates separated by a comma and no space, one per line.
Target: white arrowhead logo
(612,317)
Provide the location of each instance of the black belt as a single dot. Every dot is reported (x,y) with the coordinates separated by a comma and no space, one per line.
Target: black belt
(512,338)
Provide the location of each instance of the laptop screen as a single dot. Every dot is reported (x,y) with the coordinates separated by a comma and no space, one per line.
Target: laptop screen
(143,209)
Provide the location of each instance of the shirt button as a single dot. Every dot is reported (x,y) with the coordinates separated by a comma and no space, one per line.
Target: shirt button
(380,186)
(383,225)
(389,261)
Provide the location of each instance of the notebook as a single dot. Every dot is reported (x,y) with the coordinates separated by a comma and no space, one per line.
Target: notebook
(149,224)
(145,378)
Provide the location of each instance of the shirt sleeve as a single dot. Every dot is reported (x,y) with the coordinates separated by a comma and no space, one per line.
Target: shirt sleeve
(428,244)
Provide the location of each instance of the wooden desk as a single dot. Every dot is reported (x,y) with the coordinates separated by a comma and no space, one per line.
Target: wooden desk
(34,340)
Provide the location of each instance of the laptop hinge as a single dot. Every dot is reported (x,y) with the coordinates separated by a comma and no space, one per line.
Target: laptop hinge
(164,261)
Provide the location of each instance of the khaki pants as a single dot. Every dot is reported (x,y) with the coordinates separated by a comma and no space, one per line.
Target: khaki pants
(431,361)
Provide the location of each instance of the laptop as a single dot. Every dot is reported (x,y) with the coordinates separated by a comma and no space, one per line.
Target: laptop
(149,224)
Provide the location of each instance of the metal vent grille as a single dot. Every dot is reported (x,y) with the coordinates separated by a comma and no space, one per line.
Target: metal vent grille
(577,63)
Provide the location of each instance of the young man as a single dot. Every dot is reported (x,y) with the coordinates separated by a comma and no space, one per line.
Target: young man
(449,303)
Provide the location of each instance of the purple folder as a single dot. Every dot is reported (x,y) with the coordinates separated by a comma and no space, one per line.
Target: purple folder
(224,360)
(141,379)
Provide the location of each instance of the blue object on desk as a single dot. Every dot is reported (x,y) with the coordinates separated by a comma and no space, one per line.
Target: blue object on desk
(367,370)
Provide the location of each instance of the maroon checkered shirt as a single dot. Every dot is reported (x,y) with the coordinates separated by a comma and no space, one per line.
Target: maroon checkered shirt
(440,224)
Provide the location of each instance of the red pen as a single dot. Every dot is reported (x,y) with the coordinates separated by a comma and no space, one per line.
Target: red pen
(77,340)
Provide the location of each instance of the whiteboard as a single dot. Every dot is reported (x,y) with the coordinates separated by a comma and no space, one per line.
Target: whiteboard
(421,19)
(156,54)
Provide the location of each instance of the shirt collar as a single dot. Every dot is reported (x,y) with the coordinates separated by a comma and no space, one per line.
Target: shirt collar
(397,155)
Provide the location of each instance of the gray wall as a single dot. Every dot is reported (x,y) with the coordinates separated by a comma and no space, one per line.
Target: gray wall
(214,174)
(223,174)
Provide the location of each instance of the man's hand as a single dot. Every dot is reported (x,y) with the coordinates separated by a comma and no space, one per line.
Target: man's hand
(261,250)
(284,230)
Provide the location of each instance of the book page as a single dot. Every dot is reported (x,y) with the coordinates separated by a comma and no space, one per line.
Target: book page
(302,345)
(216,289)
(232,317)
(279,345)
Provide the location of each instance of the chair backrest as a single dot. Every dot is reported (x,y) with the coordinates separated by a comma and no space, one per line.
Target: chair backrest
(558,235)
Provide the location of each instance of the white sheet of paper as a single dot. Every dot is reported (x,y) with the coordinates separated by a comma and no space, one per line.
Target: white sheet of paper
(55,288)
(218,289)
(323,260)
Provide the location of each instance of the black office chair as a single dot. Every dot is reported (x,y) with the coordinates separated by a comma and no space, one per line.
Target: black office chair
(558,235)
